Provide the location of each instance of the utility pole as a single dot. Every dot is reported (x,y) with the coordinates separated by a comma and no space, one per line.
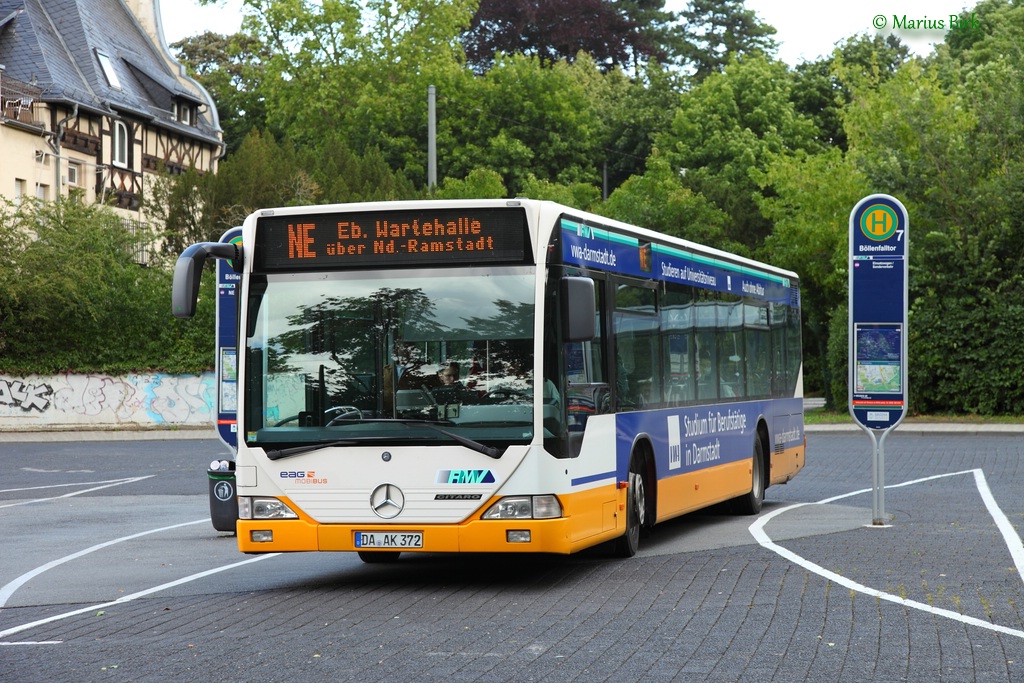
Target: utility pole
(431,138)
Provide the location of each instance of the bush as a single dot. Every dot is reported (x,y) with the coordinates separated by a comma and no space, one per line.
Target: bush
(74,299)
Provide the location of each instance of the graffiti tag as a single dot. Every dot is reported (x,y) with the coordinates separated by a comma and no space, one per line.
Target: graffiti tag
(26,396)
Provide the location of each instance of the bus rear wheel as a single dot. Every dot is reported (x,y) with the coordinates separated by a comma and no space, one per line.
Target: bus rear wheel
(636,511)
(750,504)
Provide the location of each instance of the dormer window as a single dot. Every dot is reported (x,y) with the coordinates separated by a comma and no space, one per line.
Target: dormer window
(108,69)
(182,112)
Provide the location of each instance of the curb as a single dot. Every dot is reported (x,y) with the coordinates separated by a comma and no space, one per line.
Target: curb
(62,436)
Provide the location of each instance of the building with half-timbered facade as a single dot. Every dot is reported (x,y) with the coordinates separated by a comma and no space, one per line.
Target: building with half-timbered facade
(92,99)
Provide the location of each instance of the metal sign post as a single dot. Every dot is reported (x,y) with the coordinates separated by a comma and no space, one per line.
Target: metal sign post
(878,276)
(227,345)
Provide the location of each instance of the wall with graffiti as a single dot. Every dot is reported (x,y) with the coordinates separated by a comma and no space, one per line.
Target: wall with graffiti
(142,401)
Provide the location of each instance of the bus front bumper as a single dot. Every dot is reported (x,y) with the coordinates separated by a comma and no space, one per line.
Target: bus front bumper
(476,536)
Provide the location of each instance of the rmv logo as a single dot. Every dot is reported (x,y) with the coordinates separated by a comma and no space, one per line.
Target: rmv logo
(465,477)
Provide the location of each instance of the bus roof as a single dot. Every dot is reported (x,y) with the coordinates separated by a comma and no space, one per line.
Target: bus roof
(537,209)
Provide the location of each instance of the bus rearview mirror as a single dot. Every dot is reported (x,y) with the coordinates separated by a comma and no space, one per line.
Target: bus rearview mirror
(188,271)
(579,317)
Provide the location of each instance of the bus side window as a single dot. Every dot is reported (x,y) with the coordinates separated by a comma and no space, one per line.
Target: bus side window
(676,314)
(706,357)
(758,341)
(637,363)
(731,352)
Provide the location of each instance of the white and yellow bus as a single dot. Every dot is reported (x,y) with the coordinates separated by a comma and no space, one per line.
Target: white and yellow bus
(498,376)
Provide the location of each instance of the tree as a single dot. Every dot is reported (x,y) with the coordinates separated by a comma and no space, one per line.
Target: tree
(714,30)
(633,112)
(992,29)
(200,208)
(950,150)
(479,184)
(231,68)
(578,195)
(264,173)
(660,201)
(823,88)
(341,175)
(351,70)
(522,118)
(809,206)
(655,38)
(80,302)
(727,129)
(553,30)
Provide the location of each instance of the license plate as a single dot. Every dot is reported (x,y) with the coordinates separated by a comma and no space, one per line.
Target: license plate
(389,539)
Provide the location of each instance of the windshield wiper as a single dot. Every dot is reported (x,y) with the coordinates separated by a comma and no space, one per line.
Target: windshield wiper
(489,451)
(299,450)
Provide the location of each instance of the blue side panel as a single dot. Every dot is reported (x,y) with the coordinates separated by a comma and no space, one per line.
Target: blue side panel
(697,437)
(592,247)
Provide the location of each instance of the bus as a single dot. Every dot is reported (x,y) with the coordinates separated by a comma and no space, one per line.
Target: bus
(497,376)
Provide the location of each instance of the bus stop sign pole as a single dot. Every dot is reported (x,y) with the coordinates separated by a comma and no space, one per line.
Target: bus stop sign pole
(878,276)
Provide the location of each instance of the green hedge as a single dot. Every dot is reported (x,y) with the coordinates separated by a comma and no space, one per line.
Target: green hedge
(73,297)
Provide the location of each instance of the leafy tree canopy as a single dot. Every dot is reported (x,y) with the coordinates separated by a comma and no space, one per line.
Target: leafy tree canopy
(612,33)
(714,30)
(231,68)
(726,129)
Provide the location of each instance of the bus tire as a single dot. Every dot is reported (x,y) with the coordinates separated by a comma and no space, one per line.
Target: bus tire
(379,556)
(750,504)
(636,510)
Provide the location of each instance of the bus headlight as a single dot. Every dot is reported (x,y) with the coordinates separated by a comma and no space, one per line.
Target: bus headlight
(525,507)
(263,508)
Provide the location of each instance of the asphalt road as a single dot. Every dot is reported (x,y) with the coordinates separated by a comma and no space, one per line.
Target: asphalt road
(111,570)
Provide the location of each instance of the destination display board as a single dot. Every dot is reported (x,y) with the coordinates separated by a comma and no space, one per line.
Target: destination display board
(315,241)
(878,312)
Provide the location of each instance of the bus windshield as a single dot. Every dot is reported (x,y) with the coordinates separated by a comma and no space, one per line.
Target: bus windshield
(368,355)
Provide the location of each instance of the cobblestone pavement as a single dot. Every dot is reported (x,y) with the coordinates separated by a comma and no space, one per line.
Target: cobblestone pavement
(936,596)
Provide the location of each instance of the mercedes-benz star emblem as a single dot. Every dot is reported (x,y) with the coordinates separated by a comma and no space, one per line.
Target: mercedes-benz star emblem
(387,501)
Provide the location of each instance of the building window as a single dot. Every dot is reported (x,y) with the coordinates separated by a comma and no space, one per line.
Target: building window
(120,152)
(42,191)
(19,188)
(108,69)
(182,112)
(73,173)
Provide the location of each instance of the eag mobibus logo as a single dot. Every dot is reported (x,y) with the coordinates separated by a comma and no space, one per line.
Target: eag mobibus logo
(302,477)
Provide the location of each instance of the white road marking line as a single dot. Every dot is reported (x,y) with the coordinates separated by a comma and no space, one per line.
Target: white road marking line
(74,483)
(7,591)
(1010,537)
(134,596)
(107,485)
(1012,540)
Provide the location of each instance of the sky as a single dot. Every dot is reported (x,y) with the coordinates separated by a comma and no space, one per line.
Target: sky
(806,29)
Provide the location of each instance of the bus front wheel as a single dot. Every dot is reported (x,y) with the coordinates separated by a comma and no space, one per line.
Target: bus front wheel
(636,511)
